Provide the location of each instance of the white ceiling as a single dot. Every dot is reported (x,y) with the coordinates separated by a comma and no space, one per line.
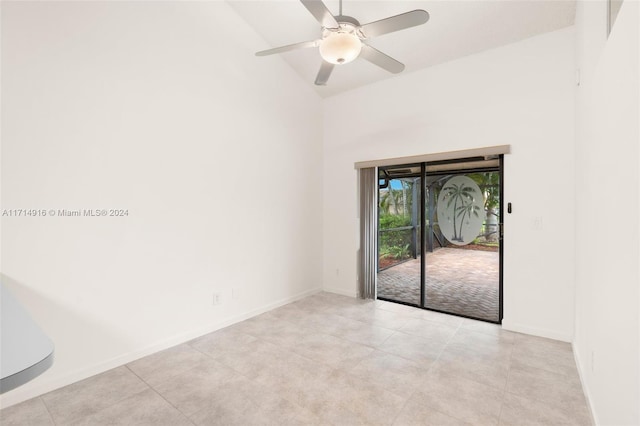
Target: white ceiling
(455,29)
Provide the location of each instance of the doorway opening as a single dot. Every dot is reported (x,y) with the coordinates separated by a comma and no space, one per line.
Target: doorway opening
(440,236)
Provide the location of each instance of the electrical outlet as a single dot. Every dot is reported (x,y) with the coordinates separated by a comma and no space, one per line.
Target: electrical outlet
(216,298)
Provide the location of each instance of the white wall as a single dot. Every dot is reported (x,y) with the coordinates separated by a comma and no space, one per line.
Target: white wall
(520,94)
(160,108)
(607,197)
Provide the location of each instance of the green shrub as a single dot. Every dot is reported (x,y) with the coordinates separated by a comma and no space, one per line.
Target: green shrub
(388,221)
(400,252)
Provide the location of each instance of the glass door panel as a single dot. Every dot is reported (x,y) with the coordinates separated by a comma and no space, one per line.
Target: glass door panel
(462,267)
(399,238)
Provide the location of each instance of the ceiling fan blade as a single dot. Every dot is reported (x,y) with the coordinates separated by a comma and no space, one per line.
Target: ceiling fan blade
(302,45)
(321,13)
(324,73)
(395,23)
(380,59)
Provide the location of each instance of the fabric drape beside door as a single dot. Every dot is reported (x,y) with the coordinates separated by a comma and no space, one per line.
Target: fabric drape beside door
(368,258)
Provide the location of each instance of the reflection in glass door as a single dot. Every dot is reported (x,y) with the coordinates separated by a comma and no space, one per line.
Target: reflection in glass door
(454,266)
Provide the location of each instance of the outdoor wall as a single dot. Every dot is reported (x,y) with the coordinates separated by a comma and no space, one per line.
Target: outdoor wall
(521,94)
(607,232)
(162,109)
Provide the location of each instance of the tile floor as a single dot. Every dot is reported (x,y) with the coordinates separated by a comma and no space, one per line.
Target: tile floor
(329,359)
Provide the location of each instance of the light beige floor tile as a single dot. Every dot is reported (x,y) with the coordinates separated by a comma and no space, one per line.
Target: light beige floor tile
(560,363)
(379,317)
(290,312)
(464,363)
(331,359)
(221,342)
(520,411)
(285,412)
(265,361)
(380,304)
(226,410)
(92,395)
(363,333)
(332,351)
(193,390)
(328,323)
(479,350)
(542,385)
(546,354)
(274,407)
(312,304)
(251,358)
(259,325)
(461,398)
(292,370)
(483,342)
(287,336)
(488,328)
(385,319)
(356,311)
(32,412)
(388,319)
(339,398)
(317,396)
(371,403)
(429,330)
(330,400)
(416,413)
(535,342)
(339,415)
(340,304)
(422,351)
(450,320)
(164,365)
(400,308)
(248,403)
(393,373)
(145,408)
(336,299)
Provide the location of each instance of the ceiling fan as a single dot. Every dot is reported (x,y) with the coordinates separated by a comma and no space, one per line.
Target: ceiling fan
(345,39)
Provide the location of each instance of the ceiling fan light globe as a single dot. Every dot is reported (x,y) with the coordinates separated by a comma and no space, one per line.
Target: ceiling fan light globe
(340,48)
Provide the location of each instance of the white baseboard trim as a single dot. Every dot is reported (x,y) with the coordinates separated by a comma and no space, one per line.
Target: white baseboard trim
(340,291)
(42,384)
(534,331)
(585,388)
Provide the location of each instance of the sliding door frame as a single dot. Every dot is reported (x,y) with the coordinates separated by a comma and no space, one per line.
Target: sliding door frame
(423,230)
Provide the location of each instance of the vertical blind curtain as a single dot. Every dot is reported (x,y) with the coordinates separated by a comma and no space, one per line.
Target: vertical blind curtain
(368,233)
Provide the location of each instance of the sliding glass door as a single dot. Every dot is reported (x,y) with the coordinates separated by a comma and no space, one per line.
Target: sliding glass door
(399,239)
(439,243)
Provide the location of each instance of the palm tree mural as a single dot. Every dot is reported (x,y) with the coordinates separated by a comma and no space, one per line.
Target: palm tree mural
(458,194)
(467,210)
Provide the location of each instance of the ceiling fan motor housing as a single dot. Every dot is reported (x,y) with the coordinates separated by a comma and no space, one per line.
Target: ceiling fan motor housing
(341,45)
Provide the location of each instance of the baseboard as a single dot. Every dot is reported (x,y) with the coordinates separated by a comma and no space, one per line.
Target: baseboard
(42,385)
(587,393)
(340,291)
(534,331)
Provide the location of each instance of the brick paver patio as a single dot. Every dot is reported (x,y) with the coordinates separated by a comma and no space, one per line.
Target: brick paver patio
(459,281)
